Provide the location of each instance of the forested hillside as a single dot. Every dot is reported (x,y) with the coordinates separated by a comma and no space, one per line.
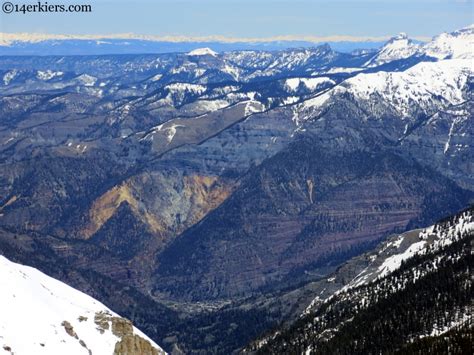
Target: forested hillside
(424,306)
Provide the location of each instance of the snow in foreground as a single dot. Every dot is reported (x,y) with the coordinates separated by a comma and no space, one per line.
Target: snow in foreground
(41,315)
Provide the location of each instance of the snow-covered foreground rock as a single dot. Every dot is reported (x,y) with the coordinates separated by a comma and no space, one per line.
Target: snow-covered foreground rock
(41,315)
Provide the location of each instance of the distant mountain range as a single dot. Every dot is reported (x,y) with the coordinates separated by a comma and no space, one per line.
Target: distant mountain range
(35,44)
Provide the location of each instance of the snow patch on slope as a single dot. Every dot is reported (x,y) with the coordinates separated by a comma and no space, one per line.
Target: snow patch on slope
(394,262)
(87,80)
(48,74)
(252,107)
(9,76)
(186,87)
(338,70)
(310,83)
(200,107)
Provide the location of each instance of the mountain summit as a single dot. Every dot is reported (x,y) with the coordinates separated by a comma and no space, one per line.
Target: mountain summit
(202,51)
(455,45)
(398,47)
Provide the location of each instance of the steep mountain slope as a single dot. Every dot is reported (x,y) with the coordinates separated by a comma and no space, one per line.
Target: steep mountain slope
(41,315)
(299,212)
(425,105)
(445,138)
(413,295)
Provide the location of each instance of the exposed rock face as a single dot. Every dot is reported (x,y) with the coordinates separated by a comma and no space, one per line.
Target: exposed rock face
(443,142)
(106,206)
(129,343)
(134,345)
(69,329)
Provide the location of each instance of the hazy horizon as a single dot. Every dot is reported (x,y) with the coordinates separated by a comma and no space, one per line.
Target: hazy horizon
(241,20)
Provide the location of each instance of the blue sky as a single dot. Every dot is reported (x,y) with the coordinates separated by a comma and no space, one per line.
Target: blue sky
(249,18)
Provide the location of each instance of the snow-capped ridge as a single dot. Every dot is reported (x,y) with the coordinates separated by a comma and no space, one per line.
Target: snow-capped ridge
(48,74)
(202,51)
(398,47)
(454,45)
(405,246)
(391,254)
(431,85)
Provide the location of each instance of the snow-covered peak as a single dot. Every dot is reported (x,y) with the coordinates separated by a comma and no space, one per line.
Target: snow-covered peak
(398,47)
(202,51)
(400,36)
(458,44)
(426,87)
(41,315)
